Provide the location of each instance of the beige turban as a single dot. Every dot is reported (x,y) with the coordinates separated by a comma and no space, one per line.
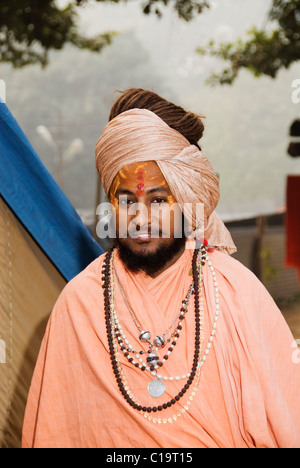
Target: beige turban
(139,135)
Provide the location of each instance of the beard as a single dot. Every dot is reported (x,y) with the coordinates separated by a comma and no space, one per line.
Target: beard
(149,262)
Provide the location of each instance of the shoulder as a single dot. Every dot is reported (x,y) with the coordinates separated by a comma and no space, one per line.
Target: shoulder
(237,276)
(84,289)
(243,292)
(230,266)
(91,274)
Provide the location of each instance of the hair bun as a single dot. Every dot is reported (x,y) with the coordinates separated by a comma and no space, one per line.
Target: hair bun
(187,123)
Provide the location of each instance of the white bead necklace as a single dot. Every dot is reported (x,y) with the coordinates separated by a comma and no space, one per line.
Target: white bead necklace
(120,335)
(188,403)
(159,341)
(139,361)
(187,406)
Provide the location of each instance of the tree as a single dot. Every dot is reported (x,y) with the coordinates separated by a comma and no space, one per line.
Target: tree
(266,51)
(29,29)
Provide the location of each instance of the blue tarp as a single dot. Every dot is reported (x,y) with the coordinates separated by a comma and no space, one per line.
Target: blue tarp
(40,205)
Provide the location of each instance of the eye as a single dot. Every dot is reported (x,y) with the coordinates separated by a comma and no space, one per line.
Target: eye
(125,201)
(159,200)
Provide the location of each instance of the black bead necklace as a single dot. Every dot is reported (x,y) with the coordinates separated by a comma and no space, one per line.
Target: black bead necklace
(106,283)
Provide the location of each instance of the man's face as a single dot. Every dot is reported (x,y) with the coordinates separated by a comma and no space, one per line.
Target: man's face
(148,218)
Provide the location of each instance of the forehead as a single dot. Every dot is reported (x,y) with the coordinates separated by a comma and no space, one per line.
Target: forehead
(142,174)
(149,171)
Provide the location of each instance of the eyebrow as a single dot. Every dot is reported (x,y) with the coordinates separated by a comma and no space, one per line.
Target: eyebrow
(123,191)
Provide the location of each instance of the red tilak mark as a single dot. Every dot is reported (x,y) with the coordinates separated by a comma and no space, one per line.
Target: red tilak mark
(141,185)
(140,189)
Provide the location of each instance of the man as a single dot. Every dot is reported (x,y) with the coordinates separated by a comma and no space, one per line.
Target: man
(165,341)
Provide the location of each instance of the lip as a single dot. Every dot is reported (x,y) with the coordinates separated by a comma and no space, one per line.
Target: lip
(143,238)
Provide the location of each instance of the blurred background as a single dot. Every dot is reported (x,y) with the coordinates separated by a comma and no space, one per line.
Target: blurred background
(235,61)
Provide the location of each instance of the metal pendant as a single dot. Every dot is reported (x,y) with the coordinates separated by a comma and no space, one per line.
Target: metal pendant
(159,341)
(152,359)
(145,336)
(156,388)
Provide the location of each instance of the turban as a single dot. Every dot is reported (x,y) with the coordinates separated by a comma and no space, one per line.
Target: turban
(139,135)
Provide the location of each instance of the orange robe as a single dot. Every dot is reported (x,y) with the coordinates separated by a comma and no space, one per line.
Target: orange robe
(248,394)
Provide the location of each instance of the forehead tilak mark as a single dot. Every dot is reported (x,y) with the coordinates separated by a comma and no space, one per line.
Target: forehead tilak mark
(139,174)
(141,182)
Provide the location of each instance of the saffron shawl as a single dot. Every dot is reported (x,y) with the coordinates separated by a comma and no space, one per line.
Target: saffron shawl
(248,394)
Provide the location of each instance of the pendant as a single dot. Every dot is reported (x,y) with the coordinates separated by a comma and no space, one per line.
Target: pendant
(156,388)
(152,359)
(159,341)
(145,336)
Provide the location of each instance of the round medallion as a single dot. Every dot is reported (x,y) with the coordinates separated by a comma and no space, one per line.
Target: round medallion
(156,388)
(145,336)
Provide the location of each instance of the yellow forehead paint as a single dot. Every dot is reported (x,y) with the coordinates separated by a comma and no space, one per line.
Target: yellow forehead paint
(137,177)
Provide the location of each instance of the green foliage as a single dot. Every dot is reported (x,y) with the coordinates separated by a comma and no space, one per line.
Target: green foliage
(72,97)
(266,51)
(29,29)
(186,9)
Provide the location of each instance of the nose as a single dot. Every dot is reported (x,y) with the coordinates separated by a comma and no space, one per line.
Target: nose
(142,217)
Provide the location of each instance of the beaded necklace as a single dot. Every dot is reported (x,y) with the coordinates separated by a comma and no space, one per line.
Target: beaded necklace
(109,318)
(113,340)
(153,362)
(145,411)
(145,336)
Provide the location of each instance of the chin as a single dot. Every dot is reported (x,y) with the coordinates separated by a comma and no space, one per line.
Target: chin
(143,247)
(150,256)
